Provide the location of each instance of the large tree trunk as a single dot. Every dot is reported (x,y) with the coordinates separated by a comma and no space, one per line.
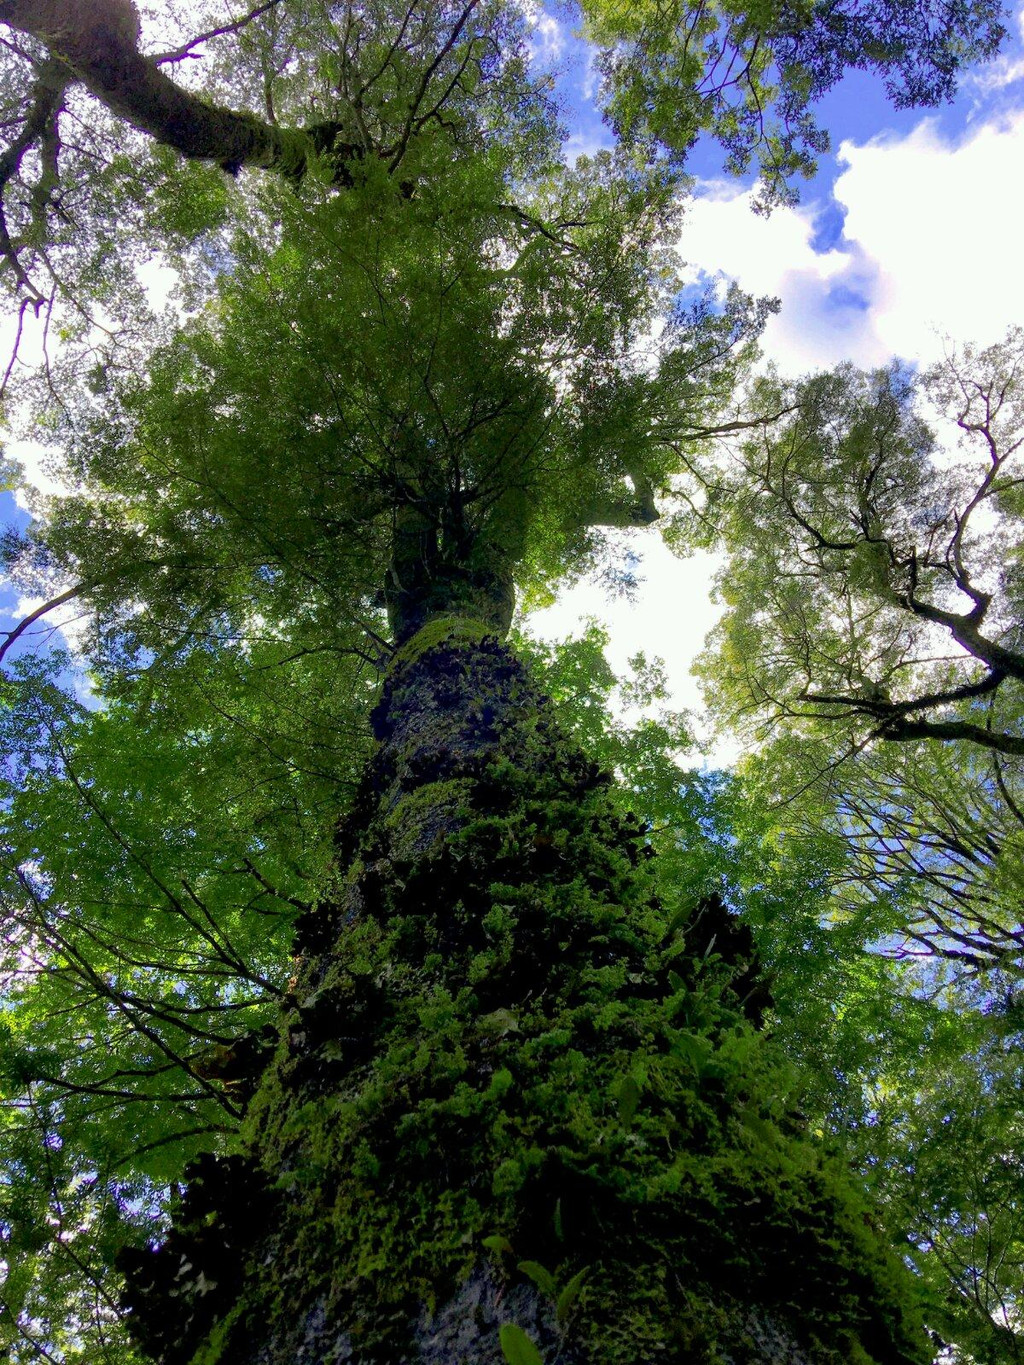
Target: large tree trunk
(500,1052)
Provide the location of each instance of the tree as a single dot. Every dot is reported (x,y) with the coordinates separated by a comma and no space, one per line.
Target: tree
(751,73)
(874,625)
(870,651)
(507,1084)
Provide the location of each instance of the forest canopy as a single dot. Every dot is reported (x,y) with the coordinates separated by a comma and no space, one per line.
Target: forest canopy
(422,366)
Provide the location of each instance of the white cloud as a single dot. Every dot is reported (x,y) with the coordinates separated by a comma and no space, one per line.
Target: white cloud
(941,224)
(773,256)
(590,79)
(997,75)
(930,248)
(587,143)
(1004,70)
(548,36)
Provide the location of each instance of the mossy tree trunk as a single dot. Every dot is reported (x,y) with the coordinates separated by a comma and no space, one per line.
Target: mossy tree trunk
(507,1092)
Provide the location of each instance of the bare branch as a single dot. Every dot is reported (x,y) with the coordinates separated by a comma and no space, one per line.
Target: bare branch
(234,26)
(23,625)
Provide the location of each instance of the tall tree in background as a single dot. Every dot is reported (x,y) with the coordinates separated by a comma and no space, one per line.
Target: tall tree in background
(870,653)
(511,1098)
(873,634)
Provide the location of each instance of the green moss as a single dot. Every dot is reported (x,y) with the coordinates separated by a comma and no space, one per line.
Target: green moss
(440,631)
(422,819)
(212,1349)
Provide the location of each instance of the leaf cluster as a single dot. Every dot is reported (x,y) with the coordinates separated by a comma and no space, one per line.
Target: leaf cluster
(749,75)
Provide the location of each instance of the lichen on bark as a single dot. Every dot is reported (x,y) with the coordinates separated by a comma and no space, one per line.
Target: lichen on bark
(500,1054)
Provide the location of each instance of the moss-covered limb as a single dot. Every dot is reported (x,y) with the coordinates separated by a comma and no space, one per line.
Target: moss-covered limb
(499,1053)
(97,43)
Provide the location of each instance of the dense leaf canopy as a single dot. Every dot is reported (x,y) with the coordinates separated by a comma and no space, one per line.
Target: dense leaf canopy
(873,624)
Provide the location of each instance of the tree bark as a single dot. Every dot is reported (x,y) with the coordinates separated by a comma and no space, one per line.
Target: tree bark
(509,1090)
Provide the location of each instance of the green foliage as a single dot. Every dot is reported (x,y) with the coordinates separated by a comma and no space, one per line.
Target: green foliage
(869,653)
(437,367)
(870,637)
(749,74)
(153,856)
(517,1347)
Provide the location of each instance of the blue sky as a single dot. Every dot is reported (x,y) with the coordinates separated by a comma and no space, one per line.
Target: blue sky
(11,515)
(910,232)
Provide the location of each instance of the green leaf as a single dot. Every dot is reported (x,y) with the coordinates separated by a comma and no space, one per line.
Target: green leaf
(542,1278)
(570,1293)
(499,1023)
(629,1098)
(517,1347)
(693,1048)
(498,1244)
(677,921)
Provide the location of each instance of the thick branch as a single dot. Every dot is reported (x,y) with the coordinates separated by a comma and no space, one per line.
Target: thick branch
(39,128)
(965,632)
(98,42)
(33,616)
(884,708)
(902,729)
(896,722)
(640,510)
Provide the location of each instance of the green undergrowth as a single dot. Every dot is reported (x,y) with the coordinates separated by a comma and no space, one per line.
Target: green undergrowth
(499,1038)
